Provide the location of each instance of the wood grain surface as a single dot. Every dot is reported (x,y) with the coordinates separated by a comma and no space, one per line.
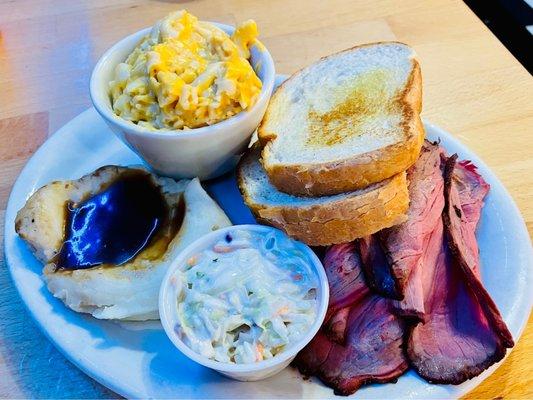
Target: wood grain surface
(473,87)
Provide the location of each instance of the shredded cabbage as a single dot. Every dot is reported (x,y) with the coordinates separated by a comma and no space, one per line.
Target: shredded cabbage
(247,297)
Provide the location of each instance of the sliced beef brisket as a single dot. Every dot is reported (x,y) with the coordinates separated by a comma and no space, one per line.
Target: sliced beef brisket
(368,337)
(472,189)
(463,333)
(404,247)
(346,281)
(460,226)
(432,260)
(372,353)
(405,244)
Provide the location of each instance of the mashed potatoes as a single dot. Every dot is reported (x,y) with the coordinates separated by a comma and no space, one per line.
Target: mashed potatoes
(126,291)
(186,74)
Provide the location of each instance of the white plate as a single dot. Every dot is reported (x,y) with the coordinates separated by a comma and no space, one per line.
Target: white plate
(137,360)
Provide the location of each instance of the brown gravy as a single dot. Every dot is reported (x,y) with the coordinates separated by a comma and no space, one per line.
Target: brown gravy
(128,219)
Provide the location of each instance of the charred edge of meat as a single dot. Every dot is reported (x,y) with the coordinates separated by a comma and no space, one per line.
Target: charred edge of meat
(306,373)
(304,370)
(484,299)
(377,268)
(460,376)
(392,377)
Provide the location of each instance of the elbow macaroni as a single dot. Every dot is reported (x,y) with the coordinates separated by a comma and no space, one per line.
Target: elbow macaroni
(186,74)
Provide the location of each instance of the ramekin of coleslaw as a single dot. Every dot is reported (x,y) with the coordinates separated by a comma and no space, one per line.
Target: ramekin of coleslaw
(244,300)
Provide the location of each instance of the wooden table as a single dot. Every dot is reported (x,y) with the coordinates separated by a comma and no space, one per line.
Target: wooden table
(473,87)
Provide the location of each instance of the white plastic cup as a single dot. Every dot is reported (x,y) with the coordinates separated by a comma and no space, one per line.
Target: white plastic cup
(168,303)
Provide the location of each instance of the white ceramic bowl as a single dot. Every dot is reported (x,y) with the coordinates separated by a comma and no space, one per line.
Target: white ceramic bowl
(205,152)
(245,372)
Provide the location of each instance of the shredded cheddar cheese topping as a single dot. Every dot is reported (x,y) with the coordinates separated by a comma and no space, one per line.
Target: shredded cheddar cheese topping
(186,74)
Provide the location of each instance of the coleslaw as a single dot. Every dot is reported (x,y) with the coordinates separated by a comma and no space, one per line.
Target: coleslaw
(246,298)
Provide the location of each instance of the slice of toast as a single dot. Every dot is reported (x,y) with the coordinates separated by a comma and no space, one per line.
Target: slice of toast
(320,221)
(345,122)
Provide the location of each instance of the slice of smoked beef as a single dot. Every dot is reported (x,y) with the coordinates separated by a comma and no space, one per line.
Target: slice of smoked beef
(310,359)
(368,337)
(461,236)
(372,353)
(346,287)
(346,281)
(463,334)
(406,246)
(436,258)
(426,182)
(472,189)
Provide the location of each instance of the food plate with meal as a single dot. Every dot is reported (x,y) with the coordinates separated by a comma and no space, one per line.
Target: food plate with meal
(351,241)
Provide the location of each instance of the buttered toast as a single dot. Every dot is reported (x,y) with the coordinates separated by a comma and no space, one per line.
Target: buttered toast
(345,122)
(324,220)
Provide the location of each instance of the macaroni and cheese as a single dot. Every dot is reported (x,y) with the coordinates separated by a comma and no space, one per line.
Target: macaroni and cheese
(186,74)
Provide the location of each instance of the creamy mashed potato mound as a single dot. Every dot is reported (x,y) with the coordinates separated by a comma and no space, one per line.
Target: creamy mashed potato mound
(186,74)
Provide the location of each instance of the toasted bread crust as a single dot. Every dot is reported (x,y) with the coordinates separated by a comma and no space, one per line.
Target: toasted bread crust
(319,179)
(339,221)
